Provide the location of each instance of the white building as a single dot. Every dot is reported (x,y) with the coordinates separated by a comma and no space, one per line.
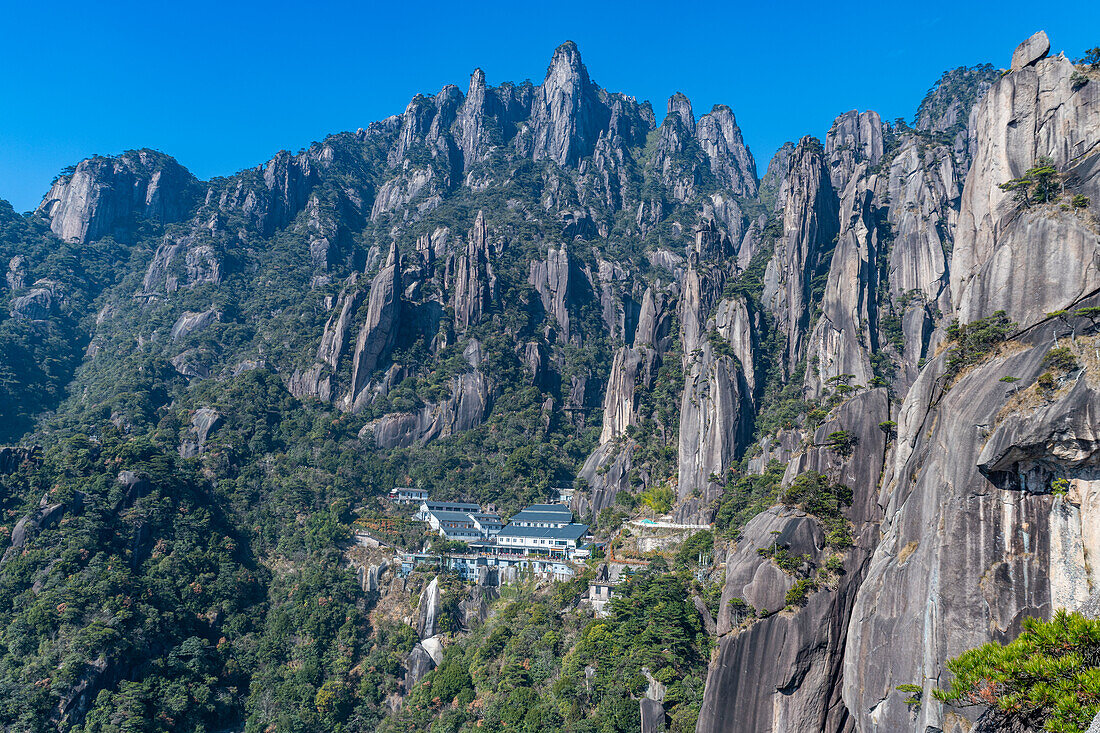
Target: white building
(547,516)
(405,495)
(487,523)
(563,540)
(428,506)
(464,526)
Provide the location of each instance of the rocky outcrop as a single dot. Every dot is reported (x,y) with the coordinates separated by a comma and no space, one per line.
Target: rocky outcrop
(270,196)
(731,163)
(844,336)
(379,331)
(203,422)
(104,195)
(190,323)
(854,138)
(38,303)
(771,185)
(567,114)
(784,672)
(465,409)
(652,714)
(183,260)
(1031,51)
(47,515)
(418,664)
(426,124)
(12,457)
(1028,261)
(474,282)
(810,222)
(16,276)
(972,472)
(716,407)
(317,380)
(557,283)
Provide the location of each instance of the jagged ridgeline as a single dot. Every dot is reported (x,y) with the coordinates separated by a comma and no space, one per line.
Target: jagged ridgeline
(513,289)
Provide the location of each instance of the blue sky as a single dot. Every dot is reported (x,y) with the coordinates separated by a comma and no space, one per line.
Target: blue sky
(223,86)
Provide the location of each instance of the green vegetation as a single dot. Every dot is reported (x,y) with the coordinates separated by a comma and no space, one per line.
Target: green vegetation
(1039,184)
(815,494)
(1061,359)
(800,591)
(658,498)
(700,544)
(914,692)
(783,558)
(1048,676)
(1090,59)
(39,357)
(973,342)
(214,592)
(841,442)
(962,86)
(745,496)
(525,668)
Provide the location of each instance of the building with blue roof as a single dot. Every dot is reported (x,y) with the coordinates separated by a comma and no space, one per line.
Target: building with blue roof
(551,516)
(565,540)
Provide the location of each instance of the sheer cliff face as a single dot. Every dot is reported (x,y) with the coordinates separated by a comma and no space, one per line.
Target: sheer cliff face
(1033,112)
(103,196)
(974,539)
(555,266)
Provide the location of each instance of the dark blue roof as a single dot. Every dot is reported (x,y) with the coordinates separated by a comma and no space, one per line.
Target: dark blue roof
(555,508)
(452,506)
(530,515)
(568,532)
(445,516)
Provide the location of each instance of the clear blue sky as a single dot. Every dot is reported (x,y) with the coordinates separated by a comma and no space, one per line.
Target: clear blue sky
(224,85)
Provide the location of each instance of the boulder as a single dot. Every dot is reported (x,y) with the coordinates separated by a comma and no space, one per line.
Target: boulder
(652,714)
(190,322)
(1033,49)
(417,665)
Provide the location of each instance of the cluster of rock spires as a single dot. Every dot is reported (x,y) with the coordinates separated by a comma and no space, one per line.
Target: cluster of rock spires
(865,246)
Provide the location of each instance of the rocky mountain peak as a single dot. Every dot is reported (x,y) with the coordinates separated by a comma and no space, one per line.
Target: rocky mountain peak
(477,83)
(567,115)
(772,182)
(102,195)
(947,106)
(730,160)
(566,67)
(475,283)
(854,138)
(679,104)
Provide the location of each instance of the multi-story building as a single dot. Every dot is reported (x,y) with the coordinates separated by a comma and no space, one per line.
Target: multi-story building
(564,540)
(465,526)
(427,506)
(540,530)
(546,516)
(489,524)
(405,495)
